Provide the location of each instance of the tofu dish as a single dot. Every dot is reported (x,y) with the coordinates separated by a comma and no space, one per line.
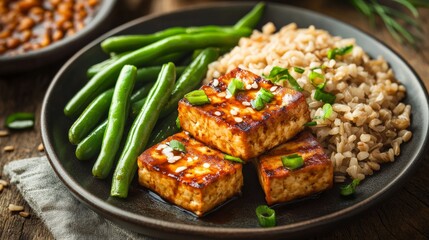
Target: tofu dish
(201,167)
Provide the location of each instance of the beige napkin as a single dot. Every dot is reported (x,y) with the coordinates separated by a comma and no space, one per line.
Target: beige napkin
(64,215)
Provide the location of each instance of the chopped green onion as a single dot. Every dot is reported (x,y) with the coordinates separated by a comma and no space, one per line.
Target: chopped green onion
(317,79)
(234,85)
(197,97)
(349,189)
(266,216)
(232,158)
(293,161)
(176,145)
(323,96)
(20,120)
(309,124)
(266,95)
(298,70)
(178,123)
(327,110)
(332,53)
(258,104)
(262,97)
(277,74)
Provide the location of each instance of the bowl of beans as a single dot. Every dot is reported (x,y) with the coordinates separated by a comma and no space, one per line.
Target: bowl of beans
(35,33)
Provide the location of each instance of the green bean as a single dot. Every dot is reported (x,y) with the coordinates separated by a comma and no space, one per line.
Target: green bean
(90,146)
(103,79)
(172,57)
(90,117)
(125,43)
(188,81)
(251,19)
(118,114)
(141,128)
(132,42)
(150,74)
(141,93)
(164,129)
(94,69)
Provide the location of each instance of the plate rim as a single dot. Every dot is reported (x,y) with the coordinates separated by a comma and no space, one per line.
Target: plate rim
(115,213)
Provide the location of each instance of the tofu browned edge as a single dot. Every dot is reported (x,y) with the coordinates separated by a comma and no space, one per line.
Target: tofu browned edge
(259,131)
(198,188)
(281,184)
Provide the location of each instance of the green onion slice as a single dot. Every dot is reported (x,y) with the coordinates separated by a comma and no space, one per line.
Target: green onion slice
(20,120)
(258,104)
(349,189)
(197,97)
(178,123)
(309,124)
(277,74)
(232,158)
(332,53)
(266,216)
(323,96)
(317,79)
(262,97)
(235,85)
(327,110)
(293,161)
(178,146)
(298,70)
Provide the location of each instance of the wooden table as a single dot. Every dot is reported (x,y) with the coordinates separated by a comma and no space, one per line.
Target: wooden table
(404,216)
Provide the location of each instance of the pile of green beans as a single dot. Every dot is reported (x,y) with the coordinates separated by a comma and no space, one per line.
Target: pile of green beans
(131,90)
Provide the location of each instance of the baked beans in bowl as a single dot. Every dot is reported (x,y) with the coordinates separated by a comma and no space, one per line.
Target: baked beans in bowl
(34,33)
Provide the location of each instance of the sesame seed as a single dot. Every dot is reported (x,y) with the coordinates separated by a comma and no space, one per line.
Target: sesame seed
(190,159)
(246,103)
(179,169)
(215,82)
(255,85)
(167,149)
(40,148)
(238,119)
(217,113)
(233,112)
(228,95)
(24,214)
(248,87)
(4,183)
(186,132)
(173,159)
(161,146)
(206,165)
(9,148)
(221,94)
(195,158)
(15,208)
(4,133)
(273,88)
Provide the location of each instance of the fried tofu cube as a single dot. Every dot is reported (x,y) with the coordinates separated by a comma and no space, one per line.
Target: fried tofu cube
(281,184)
(198,179)
(230,123)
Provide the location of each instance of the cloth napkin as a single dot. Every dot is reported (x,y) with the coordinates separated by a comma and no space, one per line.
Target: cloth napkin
(64,215)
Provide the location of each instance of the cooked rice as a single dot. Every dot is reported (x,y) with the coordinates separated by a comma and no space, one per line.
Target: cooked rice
(369,122)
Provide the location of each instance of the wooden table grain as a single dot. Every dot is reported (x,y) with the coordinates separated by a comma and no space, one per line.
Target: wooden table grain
(405,215)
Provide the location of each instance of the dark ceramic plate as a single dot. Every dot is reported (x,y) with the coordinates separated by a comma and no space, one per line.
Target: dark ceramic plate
(143,213)
(62,49)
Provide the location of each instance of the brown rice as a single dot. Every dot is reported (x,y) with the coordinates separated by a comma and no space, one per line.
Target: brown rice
(369,121)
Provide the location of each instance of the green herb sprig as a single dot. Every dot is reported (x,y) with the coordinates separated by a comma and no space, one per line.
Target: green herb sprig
(396,21)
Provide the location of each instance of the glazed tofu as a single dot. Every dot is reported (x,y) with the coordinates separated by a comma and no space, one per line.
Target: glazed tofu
(197,180)
(281,184)
(232,125)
